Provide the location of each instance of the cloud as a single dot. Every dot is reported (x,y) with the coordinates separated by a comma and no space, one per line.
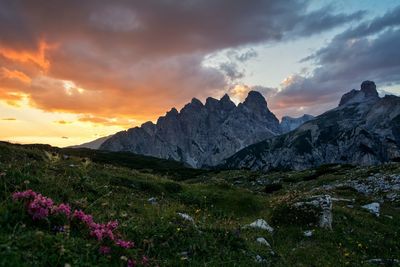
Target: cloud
(136,59)
(63,122)
(243,56)
(8,119)
(231,71)
(366,52)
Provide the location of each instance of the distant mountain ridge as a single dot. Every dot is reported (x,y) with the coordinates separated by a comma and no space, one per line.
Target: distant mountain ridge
(95,144)
(289,124)
(201,134)
(364,129)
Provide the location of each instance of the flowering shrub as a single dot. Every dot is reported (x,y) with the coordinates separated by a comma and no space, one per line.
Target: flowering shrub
(41,207)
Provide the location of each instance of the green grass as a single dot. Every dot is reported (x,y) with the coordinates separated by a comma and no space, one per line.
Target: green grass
(116,188)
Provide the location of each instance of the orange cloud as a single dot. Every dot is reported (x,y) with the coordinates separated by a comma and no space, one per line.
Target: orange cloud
(9,119)
(15,74)
(107,121)
(24,56)
(63,122)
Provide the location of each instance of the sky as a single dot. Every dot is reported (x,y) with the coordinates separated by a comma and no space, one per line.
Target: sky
(73,71)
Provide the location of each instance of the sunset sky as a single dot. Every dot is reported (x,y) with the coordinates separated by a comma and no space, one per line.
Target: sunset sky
(72,71)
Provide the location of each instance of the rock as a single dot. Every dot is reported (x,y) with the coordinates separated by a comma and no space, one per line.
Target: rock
(308,233)
(391,196)
(184,255)
(373,208)
(186,217)
(369,89)
(260,259)
(342,199)
(366,93)
(152,200)
(263,241)
(261,224)
(324,203)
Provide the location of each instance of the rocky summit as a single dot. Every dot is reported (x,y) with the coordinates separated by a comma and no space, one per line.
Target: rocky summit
(201,134)
(363,130)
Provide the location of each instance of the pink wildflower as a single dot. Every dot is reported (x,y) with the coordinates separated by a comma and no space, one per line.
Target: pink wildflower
(104,250)
(86,219)
(63,208)
(24,195)
(40,207)
(101,231)
(112,225)
(124,244)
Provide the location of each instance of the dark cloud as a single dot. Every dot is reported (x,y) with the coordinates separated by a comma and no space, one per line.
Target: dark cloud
(124,56)
(242,56)
(369,51)
(231,71)
(165,27)
(322,19)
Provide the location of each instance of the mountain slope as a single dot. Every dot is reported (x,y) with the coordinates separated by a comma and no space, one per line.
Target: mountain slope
(364,129)
(201,135)
(289,124)
(95,144)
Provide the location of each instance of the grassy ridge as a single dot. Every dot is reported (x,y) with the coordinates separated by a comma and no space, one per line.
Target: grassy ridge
(118,186)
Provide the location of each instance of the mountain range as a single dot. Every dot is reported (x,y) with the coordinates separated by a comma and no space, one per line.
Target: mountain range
(364,129)
(200,134)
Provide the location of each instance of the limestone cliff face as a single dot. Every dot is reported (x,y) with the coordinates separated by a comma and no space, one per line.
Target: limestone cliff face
(201,134)
(364,129)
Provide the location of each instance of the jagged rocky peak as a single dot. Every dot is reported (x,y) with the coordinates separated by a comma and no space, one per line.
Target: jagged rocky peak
(211,102)
(227,103)
(368,92)
(149,127)
(196,103)
(172,112)
(289,123)
(255,100)
(369,89)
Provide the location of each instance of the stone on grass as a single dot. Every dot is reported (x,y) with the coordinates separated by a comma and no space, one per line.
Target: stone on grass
(324,204)
(260,259)
(263,241)
(373,208)
(152,200)
(261,224)
(185,217)
(308,233)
